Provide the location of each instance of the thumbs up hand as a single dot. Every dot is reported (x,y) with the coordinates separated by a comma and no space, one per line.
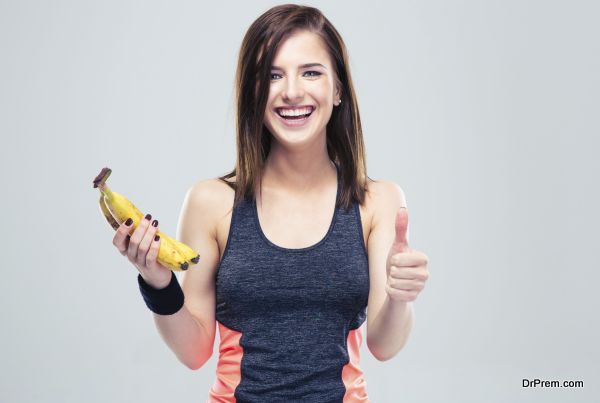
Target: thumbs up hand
(406,268)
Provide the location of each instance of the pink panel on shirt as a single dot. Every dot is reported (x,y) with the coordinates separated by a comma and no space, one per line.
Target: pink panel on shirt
(230,358)
(352,375)
(228,366)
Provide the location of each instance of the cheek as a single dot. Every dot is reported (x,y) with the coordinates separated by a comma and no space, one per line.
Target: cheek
(268,119)
(270,102)
(325,92)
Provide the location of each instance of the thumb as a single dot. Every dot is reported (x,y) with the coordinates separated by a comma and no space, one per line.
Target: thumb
(400,242)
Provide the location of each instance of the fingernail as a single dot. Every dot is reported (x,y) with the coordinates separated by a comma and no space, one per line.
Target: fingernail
(128,222)
(156,238)
(155,223)
(128,237)
(148,217)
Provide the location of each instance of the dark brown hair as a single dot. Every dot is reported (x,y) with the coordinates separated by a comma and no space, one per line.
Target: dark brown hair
(345,144)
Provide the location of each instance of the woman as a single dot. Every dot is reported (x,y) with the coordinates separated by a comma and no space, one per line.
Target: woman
(298,246)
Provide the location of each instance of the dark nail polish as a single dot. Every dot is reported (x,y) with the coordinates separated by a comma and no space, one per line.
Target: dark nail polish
(128,237)
(156,237)
(128,222)
(155,223)
(148,217)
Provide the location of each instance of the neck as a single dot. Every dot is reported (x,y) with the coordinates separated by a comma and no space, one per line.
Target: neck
(298,174)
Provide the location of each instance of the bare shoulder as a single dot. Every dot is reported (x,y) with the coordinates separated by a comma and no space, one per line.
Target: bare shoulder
(212,203)
(210,190)
(210,199)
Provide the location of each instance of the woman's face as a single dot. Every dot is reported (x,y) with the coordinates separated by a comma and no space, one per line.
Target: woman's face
(302,83)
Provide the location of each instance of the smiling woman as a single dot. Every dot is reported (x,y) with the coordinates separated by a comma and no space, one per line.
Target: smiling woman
(298,244)
(291,298)
(301,95)
(292,57)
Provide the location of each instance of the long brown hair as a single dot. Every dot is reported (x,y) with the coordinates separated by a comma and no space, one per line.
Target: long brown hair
(345,145)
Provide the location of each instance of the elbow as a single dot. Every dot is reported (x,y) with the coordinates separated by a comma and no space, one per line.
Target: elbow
(192,366)
(375,351)
(382,354)
(197,363)
(379,356)
(203,354)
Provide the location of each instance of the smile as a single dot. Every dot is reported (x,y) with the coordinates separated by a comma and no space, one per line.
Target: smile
(294,117)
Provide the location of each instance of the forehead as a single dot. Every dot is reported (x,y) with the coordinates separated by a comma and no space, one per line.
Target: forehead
(299,48)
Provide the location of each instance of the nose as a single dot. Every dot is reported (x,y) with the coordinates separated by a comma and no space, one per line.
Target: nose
(292,90)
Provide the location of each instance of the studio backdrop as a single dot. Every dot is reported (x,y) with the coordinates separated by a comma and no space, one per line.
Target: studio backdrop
(484,112)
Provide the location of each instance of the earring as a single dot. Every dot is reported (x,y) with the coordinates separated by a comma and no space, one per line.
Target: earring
(339,102)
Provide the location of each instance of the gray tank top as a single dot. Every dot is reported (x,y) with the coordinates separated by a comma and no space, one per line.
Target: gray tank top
(293,308)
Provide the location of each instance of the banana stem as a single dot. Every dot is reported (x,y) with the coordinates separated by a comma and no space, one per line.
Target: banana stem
(100,182)
(102,176)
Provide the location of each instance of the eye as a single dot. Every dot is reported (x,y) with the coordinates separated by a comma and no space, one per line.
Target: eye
(315,73)
(310,73)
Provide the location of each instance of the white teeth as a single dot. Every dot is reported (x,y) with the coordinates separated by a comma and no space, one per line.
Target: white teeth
(294,112)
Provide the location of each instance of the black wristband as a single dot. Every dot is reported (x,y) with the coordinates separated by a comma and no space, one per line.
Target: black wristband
(164,301)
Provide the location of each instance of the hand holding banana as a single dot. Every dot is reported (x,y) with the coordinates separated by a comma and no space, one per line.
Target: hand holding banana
(117,209)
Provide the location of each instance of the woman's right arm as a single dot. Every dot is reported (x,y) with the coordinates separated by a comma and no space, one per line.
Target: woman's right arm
(190,332)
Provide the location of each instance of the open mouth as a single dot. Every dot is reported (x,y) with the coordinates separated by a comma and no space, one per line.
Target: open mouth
(295,114)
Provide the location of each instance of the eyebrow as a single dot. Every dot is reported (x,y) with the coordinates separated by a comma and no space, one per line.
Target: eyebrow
(302,66)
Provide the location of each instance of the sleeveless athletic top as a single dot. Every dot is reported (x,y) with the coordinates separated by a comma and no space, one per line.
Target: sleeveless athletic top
(290,319)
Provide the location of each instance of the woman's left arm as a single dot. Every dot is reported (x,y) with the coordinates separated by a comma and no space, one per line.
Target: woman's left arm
(397,274)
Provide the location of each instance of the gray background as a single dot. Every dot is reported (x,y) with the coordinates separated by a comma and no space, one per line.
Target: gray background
(484,112)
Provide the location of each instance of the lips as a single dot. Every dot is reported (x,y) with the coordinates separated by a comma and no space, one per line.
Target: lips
(294,121)
(304,108)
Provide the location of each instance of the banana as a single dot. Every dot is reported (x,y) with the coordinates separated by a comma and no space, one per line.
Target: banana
(116,208)
(111,220)
(188,253)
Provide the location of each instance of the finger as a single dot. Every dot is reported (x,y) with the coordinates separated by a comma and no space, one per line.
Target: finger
(406,285)
(409,259)
(152,254)
(136,238)
(121,237)
(400,241)
(410,273)
(146,242)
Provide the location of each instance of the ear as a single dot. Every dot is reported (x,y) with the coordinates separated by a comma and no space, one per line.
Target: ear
(337,96)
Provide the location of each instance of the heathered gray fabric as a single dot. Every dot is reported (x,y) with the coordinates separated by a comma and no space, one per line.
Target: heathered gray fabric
(294,307)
